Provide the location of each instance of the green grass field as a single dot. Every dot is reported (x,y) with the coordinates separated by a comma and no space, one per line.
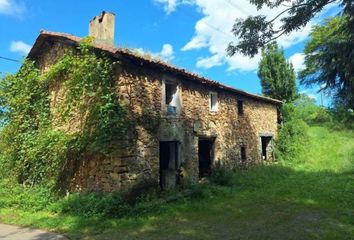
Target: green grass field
(311,198)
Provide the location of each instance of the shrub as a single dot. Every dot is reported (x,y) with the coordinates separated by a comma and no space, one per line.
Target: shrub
(292,139)
(199,191)
(344,117)
(144,190)
(221,175)
(92,204)
(323,116)
(24,198)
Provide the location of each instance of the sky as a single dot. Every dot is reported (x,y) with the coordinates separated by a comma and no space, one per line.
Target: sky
(192,34)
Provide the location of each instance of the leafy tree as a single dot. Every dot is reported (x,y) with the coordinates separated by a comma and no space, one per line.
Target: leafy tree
(329,60)
(255,32)
(276,74)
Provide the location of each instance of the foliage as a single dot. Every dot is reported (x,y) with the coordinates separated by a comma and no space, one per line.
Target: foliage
(305,108)
(277,74)
(292,136)
(93,204)
(31,199)
(255,32)
(221,175)
(329,60)
(292,139)
(90,94)
(343,117)
(31,149)
(313,193)
(36,140)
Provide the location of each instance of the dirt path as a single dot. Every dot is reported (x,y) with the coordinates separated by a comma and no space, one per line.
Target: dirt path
(9,232)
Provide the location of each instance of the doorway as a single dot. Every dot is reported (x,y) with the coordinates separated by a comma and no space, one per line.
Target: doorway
(169,164)
(266,148)
(205,155)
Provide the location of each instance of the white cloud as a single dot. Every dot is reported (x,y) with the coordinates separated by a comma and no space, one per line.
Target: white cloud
(166,52)
(213,31)
(171,5)
(298,61)
(12,7)
(20,47)
(196,43)
(209,62)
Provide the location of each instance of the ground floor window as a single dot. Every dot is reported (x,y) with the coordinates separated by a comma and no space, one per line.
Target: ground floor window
(243,153)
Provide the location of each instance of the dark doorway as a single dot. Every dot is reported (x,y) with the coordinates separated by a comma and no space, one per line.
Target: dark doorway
(267,148)
(168,164)
(205,154)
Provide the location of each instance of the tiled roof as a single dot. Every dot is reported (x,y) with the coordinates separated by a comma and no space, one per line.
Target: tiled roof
(117,52)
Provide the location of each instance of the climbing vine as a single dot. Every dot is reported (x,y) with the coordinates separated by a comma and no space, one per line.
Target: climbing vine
(33,142)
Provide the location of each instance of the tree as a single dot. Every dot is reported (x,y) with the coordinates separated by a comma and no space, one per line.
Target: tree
(329,60)
(255,32)
(276,74)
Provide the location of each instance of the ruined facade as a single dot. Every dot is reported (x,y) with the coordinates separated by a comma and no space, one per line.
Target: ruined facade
(188,123)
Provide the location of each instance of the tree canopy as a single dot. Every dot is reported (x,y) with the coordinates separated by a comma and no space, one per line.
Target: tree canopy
(329,60)
(277,74)
(255,32)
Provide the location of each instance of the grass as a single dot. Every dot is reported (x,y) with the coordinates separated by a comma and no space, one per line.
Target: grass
(310,198)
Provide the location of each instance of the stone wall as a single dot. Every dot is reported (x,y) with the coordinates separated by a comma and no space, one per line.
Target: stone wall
(141,90)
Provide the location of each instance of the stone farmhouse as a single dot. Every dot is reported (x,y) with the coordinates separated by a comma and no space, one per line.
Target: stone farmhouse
(202,122)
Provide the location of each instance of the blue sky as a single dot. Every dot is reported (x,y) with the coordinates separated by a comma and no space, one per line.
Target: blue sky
(192,34)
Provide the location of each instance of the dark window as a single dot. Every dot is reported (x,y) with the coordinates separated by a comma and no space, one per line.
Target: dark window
(171,90)
(240,107)
(243,154)
(171,98)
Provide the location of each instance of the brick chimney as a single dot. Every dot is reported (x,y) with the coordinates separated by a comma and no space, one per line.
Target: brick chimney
(102,29)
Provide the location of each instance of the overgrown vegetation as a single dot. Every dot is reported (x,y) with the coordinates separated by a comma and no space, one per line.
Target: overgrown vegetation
(35,142)
(309,197)
(300,192)
(307,194)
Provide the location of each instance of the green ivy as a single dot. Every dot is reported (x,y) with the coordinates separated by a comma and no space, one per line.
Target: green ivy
(33,148)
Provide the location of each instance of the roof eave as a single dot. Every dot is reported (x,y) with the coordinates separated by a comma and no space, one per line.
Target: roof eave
(116,52)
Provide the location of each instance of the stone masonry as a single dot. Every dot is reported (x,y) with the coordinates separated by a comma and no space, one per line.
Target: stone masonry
(143,86)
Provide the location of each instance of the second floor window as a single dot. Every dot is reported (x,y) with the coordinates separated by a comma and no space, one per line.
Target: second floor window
(171,98)
(213,102)
(240,107)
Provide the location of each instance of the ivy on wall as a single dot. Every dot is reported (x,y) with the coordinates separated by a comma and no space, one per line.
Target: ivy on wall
(33,148)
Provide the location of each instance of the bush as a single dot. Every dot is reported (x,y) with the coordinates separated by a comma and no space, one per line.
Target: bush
(323,116)
(24,198)
(144,190)
(93,204)
(344,117)
(221,175)
(199,191)
(292,139)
